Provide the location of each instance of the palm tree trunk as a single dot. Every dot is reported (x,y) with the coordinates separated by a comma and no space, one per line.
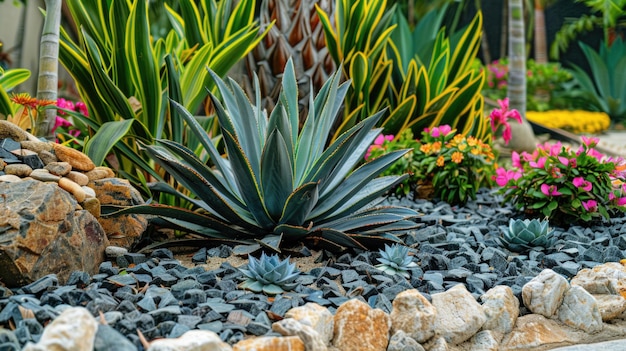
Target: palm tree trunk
(522,136)
(47,84)
(541,47)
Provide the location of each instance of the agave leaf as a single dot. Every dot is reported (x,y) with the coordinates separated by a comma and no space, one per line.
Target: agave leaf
(355,182)
(222,166)
(271,242)
(292,232)
(182,218)
(299,204)
(247,182)
(276,174)
(189,177)
(217,180)
(363,197)
(339,238)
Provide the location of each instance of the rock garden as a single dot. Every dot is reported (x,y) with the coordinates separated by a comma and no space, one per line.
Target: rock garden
(321,196)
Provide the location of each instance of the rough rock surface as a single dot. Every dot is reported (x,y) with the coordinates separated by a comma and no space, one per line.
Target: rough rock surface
(535,330)
(315,316)
(580,310)
(459,316)
(358,327)
(501,308)
(41,232)
(544,293)
(308,335)
(73,330)
(193,340)
(270,343)
(414,315)
(122,230)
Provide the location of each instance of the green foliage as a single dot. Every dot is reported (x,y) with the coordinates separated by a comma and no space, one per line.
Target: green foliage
(126,78)
(524,235)
(565,185)
(278,181)
(423,76)
(606,87)
(395,259)
(607,14)
(269,274)
(454,165)
(8,80)
(548,79)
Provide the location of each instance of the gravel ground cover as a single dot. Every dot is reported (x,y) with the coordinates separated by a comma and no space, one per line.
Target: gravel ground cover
(161,296)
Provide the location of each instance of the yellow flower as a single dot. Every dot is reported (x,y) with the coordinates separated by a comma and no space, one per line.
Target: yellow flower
(440,161)
(436,147)
(475,151)
(472,141)
(425,148)
(462,147)
(457,157)
(458,138)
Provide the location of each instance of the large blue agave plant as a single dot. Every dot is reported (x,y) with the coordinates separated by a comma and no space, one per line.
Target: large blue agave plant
(279,181)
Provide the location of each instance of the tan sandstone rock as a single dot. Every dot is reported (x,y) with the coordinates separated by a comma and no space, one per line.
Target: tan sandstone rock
(270,343)
(501,308)
(532,331)
(459,316)
(47,235)
(73,330)
(78,160)
(413,314)
(315,316)
(358,327)
(308,335)
(544,293)
(193,340)
(122,230)
(580,310)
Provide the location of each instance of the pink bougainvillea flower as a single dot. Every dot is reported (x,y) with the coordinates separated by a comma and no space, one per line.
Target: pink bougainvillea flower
(442,130)
(515,160)
(66,104)
(621,201)
(503,176)
(378,142)
(564,160)
(540,163)
(550,190)
(60,122)
(590,205)
(580,182)
(82,108)
(380,139)
(590,141)
(500,116)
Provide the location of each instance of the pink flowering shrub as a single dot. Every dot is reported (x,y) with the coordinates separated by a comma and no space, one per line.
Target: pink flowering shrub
(455,165)
(565,185)
(67,127)
(499,119)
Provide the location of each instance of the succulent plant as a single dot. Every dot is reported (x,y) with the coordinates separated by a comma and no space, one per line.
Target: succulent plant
(523,235)
(279,181)
(269,274)
(395,259)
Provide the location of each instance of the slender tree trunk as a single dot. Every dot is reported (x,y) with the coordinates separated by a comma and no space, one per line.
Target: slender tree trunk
(504,29)
(522,136)
(541,47)
(47,84)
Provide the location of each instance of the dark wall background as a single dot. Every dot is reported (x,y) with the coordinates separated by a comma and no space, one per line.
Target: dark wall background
(555,17)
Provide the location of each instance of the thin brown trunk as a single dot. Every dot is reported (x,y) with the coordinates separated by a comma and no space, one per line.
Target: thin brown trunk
(541,47)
